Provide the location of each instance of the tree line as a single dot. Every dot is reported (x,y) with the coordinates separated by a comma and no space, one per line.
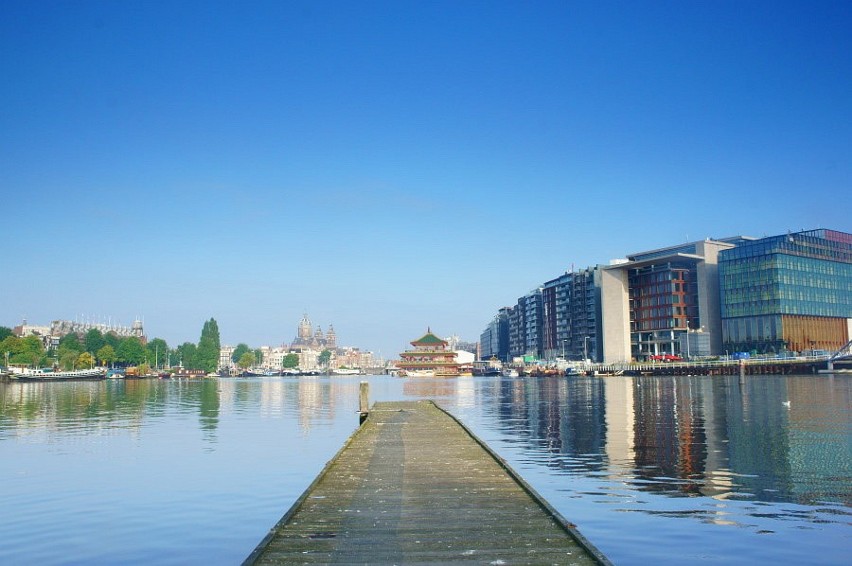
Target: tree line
(108,349)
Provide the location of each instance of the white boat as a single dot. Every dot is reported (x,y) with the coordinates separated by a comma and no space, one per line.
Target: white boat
(47,374)
(342,371)
(420,373)
(510,372)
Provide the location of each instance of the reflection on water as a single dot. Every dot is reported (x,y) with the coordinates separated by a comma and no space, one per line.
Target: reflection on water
(693,455)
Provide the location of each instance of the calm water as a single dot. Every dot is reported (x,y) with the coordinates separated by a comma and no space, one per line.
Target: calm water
(663,470)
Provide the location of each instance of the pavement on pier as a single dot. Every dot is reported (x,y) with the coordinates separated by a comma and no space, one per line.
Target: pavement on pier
(413,486)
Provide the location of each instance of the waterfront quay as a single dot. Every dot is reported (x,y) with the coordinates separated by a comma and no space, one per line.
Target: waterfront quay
(724,367)
(413,485)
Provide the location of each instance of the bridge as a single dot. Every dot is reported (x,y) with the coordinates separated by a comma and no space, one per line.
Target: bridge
(843,354)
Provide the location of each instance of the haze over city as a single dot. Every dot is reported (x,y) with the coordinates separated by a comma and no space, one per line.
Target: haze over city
(388,166)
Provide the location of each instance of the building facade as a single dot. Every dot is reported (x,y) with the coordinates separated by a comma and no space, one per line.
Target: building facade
(494,340)
(571,315)
(791,292)
(654,298)
(703,298)
(430,357)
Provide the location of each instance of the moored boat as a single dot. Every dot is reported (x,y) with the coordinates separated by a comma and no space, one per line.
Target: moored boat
(345,371)
(48,374)
(419,373)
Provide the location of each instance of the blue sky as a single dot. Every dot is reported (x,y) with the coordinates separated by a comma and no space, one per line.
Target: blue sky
(388,166)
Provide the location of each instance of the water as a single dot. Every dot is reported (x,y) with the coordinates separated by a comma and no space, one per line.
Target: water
(666,470)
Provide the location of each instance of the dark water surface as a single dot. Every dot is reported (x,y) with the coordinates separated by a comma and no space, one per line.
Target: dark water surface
(652,470)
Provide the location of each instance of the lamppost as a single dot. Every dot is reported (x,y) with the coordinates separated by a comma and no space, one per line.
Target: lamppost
(585,349)
(563,348)
(687,340)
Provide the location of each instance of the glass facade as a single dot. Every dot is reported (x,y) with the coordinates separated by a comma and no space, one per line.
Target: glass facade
(780,292)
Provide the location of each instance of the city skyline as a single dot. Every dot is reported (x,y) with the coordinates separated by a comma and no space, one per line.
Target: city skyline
(391,167)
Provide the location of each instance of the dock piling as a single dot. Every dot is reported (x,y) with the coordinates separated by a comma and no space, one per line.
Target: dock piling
(364,401)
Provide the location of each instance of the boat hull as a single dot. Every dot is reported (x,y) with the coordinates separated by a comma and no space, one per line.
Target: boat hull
(80,375)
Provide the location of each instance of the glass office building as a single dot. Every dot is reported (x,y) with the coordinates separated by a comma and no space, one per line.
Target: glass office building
(791,292)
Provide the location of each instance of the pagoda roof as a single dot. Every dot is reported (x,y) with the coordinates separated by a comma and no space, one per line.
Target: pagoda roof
(428,339)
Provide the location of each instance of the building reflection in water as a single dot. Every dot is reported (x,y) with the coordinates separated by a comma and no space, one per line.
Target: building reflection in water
(766,438)
(757,438)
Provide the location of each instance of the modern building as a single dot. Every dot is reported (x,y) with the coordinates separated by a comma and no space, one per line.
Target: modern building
(494,340)
(517,341)
(532,324)
(555,301)
(584,334)
(571,315)
(791,292)
(653,298)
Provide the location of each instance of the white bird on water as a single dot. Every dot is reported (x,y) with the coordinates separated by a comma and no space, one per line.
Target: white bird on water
(786,404)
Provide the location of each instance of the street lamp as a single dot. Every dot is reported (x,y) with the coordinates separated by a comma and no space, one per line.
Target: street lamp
(563,348)
(585,349)
(687,340)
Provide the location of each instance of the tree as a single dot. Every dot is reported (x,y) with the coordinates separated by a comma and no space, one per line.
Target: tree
(11,344)
(290,361)
(30,351)
(70,342)
(238,352)
(106,355)
(246,360)
(186,355)
(94,340)
(113,340)
(5,332)
(66,355)
(130,351)
(207,355)
(258,356)
(85,360)
(324,358)
(158,350)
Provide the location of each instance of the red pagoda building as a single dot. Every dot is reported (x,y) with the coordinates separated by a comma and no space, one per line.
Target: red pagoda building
(430,357)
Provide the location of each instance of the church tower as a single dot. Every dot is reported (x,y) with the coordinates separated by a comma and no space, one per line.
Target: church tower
(305,331)
(331,338)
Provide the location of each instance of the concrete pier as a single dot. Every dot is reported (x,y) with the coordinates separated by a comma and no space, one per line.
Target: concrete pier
(414,486)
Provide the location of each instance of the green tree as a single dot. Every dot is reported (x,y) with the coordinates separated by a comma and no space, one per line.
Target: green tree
(186,355)
(158,351)
(130,351)
(68,359)
(290,361)
(246,360)
(94,340)
(238,352)
(207,355)
(324,358)
(113,340)
(12,345)
(85,360)
(70,342)
(258,356)
(66,355)
(106,355)
(30,352)
(5,332)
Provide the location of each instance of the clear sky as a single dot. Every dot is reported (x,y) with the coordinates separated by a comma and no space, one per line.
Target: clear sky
(388,166)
